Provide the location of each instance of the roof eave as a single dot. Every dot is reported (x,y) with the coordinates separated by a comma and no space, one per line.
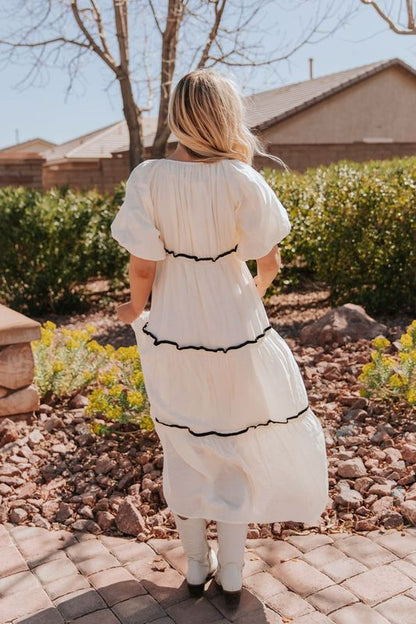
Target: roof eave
(348,83)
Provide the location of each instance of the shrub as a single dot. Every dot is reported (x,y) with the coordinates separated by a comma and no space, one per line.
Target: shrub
(121,395)
(354,228)
(52,243)
(66,361)
(392,376)
(70,361)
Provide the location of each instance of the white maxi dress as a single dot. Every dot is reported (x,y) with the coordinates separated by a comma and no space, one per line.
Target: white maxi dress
(228,402)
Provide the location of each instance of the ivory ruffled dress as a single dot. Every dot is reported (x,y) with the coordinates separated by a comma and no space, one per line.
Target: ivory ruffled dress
(240,442)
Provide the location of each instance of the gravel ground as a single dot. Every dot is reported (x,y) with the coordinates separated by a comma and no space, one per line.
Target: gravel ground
(55,474)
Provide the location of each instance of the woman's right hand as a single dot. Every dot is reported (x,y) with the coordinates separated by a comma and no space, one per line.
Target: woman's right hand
(261,286)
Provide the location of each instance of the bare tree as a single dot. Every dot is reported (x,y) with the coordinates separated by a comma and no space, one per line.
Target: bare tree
(404,21)
(212,32)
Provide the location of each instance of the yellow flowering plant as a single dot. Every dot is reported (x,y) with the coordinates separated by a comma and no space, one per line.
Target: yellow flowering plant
(392,376)
(66,361)
(120,396)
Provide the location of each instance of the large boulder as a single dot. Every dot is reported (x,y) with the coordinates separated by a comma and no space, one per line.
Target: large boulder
(347,323)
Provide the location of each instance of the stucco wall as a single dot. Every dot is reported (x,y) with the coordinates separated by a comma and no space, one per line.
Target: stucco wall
(382,106)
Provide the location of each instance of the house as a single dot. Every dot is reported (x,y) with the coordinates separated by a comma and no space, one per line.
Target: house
(358,114)
(21,164)
(36,146)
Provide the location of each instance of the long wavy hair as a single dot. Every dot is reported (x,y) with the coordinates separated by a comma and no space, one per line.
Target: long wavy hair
(207,115)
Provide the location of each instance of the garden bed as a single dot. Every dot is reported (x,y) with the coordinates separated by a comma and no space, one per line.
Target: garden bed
(56,473)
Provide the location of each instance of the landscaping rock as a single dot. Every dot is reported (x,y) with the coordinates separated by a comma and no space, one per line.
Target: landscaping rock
(347,323)
(352,468)
(408,510)
(129,520)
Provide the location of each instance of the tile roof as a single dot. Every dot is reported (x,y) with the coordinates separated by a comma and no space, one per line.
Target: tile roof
(267,107)
(263,110)
(36,145)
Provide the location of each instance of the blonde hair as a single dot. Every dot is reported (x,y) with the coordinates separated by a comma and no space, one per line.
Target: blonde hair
(207,115)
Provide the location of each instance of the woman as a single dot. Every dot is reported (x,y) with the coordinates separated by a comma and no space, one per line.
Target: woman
(240,441)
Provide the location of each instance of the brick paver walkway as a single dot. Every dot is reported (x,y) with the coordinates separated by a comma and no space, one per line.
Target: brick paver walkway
(55,577)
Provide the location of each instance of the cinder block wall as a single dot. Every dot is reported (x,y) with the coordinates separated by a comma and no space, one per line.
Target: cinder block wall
(301,156)
(21,169)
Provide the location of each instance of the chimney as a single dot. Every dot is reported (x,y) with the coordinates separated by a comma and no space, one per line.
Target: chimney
(311,69)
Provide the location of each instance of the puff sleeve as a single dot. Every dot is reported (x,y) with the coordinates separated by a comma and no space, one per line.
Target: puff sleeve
(133,227)
(262,221)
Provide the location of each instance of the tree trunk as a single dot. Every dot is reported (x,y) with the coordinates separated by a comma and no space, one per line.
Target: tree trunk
(132,114)
(134,122)
(169,45)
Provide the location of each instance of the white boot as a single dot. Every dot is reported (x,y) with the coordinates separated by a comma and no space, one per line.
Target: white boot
(201,558)
(229,575)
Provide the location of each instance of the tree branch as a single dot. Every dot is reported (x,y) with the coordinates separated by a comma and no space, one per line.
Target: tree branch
(411,30)
(108,59)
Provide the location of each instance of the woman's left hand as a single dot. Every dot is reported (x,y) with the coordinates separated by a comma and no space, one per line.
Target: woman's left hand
(126,313)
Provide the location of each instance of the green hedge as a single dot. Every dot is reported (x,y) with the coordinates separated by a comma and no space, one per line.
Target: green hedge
(354,228)
(51,244)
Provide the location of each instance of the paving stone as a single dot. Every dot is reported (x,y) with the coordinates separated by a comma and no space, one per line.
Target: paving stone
(23,532)
(411,592)
(314,618)
(177,559)
(110,541)
(138,610)
(193,610)
(365,550)
(162,545)
(167,587)
(248,604)
(168,620)
(48,572)
(411,558)
(358,613)
(66,585)
(331,598)
(18,582)
(378,584)
(131,551)
(11,561)
(305,543)
(273,551)
(253,564)
(141,568)
(262,615)
(400,544)
(23,603)
(323,555)
(5,538)
(271,617)
(79,603)
(301,577)
(97,564)
(37,551)
(115,585)
(86,550)
(288,604)
(344,568)
(103,616)
(406,567)
(46,616)
(263,585)
(398,610)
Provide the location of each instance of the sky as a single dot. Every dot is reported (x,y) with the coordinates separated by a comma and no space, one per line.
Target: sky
(50,113)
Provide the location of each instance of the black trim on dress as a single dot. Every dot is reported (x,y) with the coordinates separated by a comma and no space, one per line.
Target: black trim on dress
(198,259)
(157,342)
(232,433)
